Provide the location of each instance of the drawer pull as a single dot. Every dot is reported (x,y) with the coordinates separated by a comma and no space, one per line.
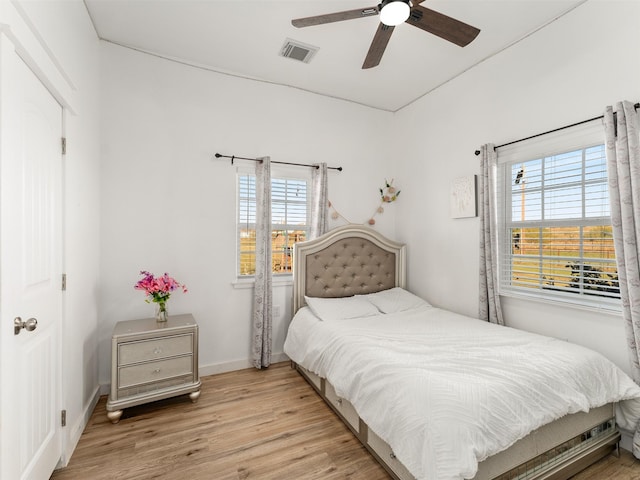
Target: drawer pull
(392,456)
(157,370)
(157,351)
(339,401)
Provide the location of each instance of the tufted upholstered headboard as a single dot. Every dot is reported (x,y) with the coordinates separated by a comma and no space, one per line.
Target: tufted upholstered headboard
(348,260)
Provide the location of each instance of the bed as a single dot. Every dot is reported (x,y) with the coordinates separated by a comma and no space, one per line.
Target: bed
(427,391)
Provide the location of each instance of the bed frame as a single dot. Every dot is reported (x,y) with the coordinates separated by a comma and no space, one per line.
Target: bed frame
(355,259)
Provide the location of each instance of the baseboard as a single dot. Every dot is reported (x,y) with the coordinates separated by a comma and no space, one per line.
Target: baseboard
(214,369)
(75,431)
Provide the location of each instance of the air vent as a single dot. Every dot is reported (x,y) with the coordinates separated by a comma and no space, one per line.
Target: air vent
(298,51)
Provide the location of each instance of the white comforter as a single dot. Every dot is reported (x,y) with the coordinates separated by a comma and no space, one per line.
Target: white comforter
(446,391)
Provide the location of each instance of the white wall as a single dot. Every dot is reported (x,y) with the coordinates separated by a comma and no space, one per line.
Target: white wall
(61,44)
(564,73)
(168,205)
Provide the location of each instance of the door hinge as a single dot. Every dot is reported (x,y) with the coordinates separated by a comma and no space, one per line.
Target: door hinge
(63,418)
(63,144)
(64,282)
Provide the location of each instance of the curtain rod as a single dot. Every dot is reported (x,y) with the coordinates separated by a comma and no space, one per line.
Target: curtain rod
(233,157)
(477,152)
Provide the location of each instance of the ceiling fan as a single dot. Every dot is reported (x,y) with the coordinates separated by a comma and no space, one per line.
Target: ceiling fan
(393,13)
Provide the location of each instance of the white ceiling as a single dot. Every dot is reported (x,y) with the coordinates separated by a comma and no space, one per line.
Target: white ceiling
(244,38)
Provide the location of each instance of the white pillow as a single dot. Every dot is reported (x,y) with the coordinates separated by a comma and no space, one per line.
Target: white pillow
(395,300)
(328,309)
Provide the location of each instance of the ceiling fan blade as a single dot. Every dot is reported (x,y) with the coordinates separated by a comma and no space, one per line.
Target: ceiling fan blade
(443,26)
(378,46)
(334,17)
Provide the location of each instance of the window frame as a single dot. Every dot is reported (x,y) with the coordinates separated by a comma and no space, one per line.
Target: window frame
(278,172)
(576,138)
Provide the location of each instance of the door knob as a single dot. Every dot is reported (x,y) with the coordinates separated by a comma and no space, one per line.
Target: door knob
(30,325)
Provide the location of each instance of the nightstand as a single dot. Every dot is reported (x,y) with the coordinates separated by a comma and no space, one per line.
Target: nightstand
(153,360)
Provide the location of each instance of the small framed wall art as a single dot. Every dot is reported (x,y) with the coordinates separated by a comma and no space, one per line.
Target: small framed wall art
(463,202)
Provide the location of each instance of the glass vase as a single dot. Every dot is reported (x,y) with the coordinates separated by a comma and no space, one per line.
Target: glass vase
(161,312)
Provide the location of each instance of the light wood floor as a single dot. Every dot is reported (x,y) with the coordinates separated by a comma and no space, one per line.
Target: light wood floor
(251,424)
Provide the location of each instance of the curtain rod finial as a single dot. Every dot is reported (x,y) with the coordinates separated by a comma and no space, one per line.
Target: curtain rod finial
(477,152)
(218,155)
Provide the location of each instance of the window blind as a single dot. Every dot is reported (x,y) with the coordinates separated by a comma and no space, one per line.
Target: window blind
(289,213)
(556,238)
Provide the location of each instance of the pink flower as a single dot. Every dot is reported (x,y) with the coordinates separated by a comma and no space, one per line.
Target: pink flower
(158,289)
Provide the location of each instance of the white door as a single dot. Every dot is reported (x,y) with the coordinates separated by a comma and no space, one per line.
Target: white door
(30,271)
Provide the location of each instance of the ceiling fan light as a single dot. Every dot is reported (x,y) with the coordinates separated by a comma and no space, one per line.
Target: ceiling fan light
(394,12)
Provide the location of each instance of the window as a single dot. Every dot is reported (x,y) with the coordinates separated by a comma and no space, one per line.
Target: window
(289,217)
(556,235)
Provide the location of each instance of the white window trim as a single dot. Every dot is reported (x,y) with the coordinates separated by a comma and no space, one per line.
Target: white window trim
(282,280)
(573,138)
(609,305)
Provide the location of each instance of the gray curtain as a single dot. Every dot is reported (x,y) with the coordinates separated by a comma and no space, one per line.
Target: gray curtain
(489,304)
(319,201)
(262,298)
(623,167)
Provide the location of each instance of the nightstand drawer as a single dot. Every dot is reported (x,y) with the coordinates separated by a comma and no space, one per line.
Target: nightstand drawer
(154,371)
(141,351)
